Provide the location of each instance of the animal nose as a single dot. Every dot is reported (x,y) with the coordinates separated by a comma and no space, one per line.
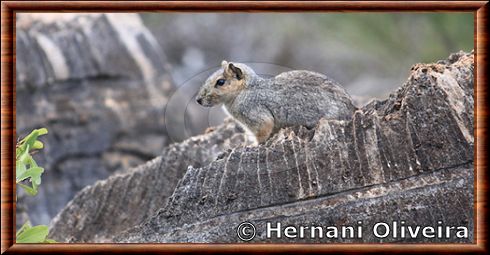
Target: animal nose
(199,100)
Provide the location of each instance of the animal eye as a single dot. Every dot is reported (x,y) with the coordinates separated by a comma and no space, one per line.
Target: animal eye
(220,82)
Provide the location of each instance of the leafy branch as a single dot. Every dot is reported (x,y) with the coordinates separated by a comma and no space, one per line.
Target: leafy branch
(26,167)
(28,176)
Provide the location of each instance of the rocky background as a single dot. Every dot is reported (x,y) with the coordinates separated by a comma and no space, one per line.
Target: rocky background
(124,161)
(95,82)
(368,53)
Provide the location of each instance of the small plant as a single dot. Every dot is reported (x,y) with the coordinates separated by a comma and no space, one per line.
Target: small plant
(30,234)
(25,166)
(28,176)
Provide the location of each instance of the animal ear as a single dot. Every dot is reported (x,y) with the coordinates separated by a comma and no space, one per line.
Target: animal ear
(224,64)
(236,71)
(227,72)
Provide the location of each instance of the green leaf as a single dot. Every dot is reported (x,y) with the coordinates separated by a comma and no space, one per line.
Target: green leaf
(35,234)
(31,191)
(42,131)
(50,241)
(24,155)
(18,151)
(37,145)
(32,162)
(32,137)
(34,173)
(26,225)
(20,169)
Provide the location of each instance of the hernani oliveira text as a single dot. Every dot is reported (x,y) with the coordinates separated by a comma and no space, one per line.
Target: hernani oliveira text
(394,229)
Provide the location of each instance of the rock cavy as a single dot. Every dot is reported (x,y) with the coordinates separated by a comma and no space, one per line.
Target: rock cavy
(265,105)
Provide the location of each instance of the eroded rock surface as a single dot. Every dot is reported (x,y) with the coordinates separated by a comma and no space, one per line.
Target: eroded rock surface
(126,199)
(408,158)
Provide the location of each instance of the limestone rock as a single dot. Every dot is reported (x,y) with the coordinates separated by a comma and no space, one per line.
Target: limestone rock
(407,158)
(126,199)
(94,81)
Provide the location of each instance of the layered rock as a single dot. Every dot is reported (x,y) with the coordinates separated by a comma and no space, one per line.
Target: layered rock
(408,158)
(94,81)
(124,200)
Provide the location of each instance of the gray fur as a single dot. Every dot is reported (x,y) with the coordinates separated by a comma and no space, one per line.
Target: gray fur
(295,98)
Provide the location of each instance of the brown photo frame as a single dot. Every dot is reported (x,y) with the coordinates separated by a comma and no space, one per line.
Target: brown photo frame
(8,117)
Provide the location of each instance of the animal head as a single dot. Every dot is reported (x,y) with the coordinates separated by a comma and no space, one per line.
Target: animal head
(225,84)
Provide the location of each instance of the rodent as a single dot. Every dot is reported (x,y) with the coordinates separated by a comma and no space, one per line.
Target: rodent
(265,105)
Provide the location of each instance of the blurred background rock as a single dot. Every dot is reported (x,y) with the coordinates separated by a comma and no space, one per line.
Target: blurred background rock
(99,84)
(369,53)
(114,90)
